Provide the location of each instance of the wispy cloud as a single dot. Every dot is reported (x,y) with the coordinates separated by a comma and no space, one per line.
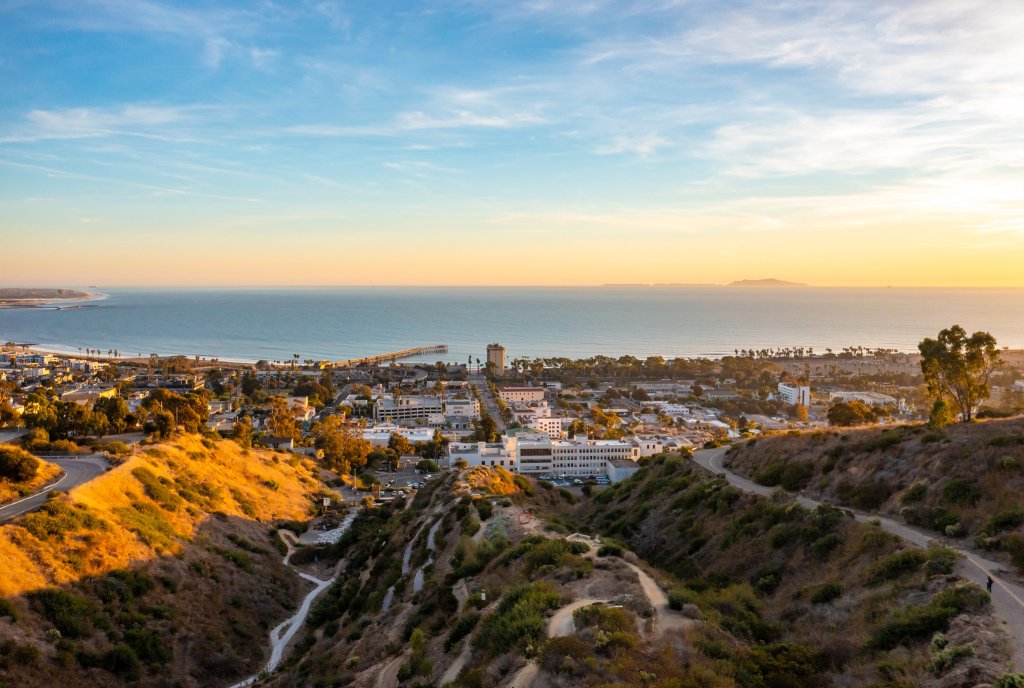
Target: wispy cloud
(80,123)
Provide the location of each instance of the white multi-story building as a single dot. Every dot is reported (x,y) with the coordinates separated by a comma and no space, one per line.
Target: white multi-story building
(869,398)
(552,427)
(464,408)
(536,454)
(526,395)
(407,409)
(794,394)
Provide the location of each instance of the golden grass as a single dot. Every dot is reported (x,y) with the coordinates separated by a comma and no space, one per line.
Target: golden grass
(494,480)
(256,485)
(48,472)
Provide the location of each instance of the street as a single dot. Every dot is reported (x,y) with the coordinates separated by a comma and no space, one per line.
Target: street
(76,471)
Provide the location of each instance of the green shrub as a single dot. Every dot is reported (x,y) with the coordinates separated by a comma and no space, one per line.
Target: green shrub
(8,609)
(941,560)
(961,491)
(913,493)
(1007,519)
(897,565)
(1014,544)
(796,476)
(1009,681)
(609,550)
(825,593)
(678,597)
(73,616)
(916,623)
(149,523)
(16,464)
(1005,441)
(460,629)
(519,621)
(771,475)
(59,517)
(884,440)
(122,661)
(823,546)
(157,489)
(870,496)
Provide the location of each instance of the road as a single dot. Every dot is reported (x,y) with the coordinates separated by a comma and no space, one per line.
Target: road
(76,471)
(487,400)
(1007,597)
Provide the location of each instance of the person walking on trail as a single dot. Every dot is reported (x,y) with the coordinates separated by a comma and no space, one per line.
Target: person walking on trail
(988,584)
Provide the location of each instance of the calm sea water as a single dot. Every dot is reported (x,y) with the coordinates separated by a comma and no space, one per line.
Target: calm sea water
(341,323)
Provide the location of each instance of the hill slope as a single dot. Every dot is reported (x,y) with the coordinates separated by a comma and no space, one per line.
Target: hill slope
(160,572)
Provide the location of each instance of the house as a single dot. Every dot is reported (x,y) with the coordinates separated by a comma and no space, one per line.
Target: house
(279,442)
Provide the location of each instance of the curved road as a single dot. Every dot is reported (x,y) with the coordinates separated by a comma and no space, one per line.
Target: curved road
(1007,597)
(76,471)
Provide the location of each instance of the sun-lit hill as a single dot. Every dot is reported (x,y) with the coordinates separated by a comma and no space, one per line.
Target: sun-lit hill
(45,474)
(965,481)
(149,506)
(165,571)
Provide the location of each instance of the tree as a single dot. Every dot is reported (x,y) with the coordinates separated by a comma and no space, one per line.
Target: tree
(241,432)
(282,422)
(115,409)
(399,444)
(342,450)
(847,413)
(957,367)
(941,415)
(16,464)
(800,413)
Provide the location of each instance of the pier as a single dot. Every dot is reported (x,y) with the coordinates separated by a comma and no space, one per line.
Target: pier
(391,357)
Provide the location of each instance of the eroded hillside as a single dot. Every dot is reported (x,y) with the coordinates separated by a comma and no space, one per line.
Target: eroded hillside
(162,572)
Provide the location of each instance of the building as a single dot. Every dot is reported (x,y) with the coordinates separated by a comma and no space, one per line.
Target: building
(496,356)
(794,394)
(420,409)
(868,398)
(462,408)
(552,427)
(525,395)
(536,454)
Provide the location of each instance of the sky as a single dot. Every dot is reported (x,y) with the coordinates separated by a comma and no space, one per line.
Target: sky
(469,142)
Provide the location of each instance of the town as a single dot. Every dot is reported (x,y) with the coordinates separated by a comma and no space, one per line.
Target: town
(571,422)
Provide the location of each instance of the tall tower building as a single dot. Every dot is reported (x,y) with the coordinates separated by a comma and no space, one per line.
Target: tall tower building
(496,355)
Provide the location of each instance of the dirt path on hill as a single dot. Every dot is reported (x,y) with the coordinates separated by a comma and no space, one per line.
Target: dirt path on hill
(1007,597)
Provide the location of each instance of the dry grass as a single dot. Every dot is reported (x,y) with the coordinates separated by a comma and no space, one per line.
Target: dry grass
(125,524)
(492,480)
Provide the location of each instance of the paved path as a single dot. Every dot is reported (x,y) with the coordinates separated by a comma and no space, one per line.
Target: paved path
(1007,597)
(76,472)
(286,630)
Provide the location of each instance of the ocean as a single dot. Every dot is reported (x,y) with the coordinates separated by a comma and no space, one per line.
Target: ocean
(347,322)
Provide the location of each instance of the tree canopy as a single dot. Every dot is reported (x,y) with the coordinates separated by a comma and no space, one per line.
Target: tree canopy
(957,367)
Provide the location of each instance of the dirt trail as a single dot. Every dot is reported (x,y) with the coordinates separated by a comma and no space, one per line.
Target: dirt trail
(1007,597)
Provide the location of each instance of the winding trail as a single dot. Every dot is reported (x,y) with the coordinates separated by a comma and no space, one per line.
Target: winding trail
(1007,597)
(283,633)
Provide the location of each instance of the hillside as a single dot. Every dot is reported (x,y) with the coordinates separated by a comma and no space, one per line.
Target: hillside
(473,586)
(162,572)
(43,473)
(965,482)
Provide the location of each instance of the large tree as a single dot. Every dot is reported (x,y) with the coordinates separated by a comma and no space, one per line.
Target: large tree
(957,367)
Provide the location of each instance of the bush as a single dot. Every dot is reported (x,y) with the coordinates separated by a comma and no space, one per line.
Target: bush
(897,565)
(870,496)
(824,545)
(460,629)
(16,464)
(677,598)
(428,466)
(771,475)
(1005,441)
(1009,681)
(823,594)
(121,660)
(8,609)
(796,476)
(519,621)
(157,489)
(59,517)
(913,493)
(609,550)
(917,623)
(1007,519)
(961,491)
(73,616)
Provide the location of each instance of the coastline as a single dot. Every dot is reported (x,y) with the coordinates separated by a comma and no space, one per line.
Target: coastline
(81,299)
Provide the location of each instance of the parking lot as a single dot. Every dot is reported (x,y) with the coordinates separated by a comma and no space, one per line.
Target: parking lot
(574,481)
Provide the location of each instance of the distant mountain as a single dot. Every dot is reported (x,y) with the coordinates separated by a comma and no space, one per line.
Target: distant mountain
(766,283)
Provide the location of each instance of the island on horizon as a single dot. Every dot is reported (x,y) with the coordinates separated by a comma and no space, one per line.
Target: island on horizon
(770,282)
